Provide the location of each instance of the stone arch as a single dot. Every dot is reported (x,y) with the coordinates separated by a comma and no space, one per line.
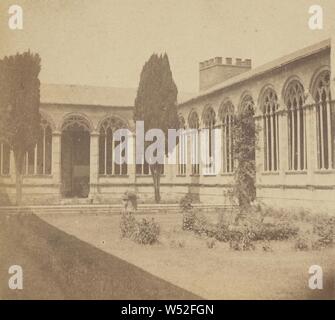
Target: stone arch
(226,107)
(193,120)
(262,93)
(246,102)
(78,120)
(288,82)
(267,92)
(208,115)
(114,121)
(296,87)
(320,72)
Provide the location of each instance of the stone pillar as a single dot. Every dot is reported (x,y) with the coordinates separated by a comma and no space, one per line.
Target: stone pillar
(94,165)
(56,160)
(131,170)
(12,170)
(259,150)
(311,143)
(283,142)
(188,156)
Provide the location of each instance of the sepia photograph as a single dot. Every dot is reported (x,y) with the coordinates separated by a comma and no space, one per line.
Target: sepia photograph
(167,150)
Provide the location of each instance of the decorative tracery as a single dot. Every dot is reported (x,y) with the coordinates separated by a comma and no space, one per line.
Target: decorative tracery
(226,116)
(324,121)
(271,130)
(75,122)
(107,147)
(294,101)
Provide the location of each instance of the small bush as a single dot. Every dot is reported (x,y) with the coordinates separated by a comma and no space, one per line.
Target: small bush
(189,218)
(146,232)
(128,225)
(301,244)
(210,243)
(200,225)
(241,239)
(324,228)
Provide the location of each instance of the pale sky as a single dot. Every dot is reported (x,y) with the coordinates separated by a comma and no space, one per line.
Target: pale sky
(106,42)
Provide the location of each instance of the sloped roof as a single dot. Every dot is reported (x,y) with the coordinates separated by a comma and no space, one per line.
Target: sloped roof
(268,67)
(91,95)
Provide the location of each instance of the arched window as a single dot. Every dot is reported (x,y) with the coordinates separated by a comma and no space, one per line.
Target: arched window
(271,130)
(226,115)
(294,101)
(107,146)
(193,123)
(209,120)
(4,159)
(324,121)
(182,148)
(38,160)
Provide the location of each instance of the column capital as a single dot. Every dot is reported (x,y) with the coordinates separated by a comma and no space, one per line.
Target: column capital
(56,133)
(94,134)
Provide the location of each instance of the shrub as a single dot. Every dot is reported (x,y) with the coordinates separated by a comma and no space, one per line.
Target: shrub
(241,239)
(200,225)
(325,230)
(128,225)
(147,232)
(189,218)
(144,232)
(302,243)
(274,231)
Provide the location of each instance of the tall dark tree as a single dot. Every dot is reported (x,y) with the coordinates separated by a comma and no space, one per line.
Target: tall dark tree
(20,102)
(156,104)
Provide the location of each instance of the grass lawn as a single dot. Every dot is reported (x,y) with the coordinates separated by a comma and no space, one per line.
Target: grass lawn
(185,260)
(59,266)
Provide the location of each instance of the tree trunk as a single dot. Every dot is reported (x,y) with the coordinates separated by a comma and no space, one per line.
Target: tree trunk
(155,172)
(18,174)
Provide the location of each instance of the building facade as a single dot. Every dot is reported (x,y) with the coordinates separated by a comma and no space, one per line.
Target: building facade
(290,99)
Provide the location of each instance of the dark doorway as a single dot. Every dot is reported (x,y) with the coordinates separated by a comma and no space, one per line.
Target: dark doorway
(75,163)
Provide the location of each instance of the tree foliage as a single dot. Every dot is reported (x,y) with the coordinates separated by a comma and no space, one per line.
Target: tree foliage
(19,103)
(245,135)
(156,103)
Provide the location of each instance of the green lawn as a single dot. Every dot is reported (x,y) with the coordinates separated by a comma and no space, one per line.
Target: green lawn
(59,266)
(218,273)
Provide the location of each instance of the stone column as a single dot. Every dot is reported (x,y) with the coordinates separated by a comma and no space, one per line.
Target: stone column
(259,150)
(56,160)
(94,165)
(131,169)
